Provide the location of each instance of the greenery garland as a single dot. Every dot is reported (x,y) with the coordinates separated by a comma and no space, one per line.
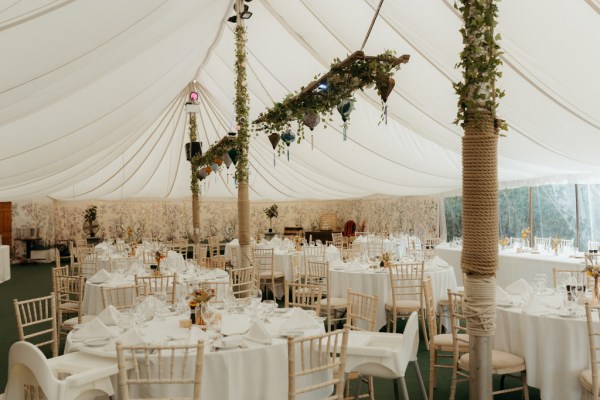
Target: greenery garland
(195,187)
(216,150)
(480,68)
(241,105)
(343,79)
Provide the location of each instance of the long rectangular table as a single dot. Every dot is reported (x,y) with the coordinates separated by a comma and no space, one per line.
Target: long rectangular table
(512,265)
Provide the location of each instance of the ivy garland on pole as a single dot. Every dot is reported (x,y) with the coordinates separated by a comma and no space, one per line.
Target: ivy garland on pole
(331,90)
(195,187)
(241,104)
(480,67)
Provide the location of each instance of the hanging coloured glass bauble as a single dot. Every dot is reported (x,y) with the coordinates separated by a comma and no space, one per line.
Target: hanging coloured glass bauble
(311,120)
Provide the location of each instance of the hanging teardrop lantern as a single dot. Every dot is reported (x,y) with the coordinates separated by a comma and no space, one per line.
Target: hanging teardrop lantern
(201,174)
(384,88)
(233,154)
(208,169)
(218,160)
(215,167)
(345,108)
(311,120)
(226,159)
(288,137)
(274,138)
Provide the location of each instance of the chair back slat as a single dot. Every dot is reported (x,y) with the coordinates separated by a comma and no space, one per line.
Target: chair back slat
(36,321)
(361,307)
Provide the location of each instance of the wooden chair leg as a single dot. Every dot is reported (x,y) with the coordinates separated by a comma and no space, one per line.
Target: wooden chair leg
(357,392)
(424,325)
(525,388)
(371,389)
(432,354)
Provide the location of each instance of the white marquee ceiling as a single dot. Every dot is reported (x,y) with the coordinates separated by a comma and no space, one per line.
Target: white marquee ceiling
(92,96)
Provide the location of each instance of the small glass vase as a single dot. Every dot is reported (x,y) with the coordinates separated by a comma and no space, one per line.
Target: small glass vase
(199,320)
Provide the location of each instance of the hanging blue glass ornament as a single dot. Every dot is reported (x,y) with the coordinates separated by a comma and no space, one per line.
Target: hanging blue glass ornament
(345,108)
(233,154)
(288,137)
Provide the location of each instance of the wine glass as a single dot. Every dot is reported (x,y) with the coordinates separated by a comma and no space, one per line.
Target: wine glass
(539,283)
(208,312)
(229,299)
(255,297)
(561,282)
(270,306)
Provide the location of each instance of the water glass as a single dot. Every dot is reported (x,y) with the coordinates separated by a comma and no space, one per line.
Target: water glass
(539,283)
(124,321)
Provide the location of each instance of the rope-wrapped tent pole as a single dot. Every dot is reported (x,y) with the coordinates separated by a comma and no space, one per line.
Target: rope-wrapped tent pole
(477,112)
(480,221)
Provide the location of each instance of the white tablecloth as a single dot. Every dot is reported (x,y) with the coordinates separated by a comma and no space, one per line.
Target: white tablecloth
(555,349)
(513,266)
(4,263)
(92,295)
(258,372)
(373,283)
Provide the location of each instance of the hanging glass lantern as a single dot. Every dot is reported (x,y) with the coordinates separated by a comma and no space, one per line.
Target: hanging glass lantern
(288,137)
(274,138)
(233,154)
(226,159)
(345,108)
(384,88)
(311,120)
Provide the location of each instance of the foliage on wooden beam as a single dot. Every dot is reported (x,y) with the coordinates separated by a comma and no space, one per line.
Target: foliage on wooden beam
(224,146)
(327,92)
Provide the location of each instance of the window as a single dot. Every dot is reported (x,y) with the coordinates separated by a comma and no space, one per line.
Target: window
(554,212)
(453,212)
(513,211)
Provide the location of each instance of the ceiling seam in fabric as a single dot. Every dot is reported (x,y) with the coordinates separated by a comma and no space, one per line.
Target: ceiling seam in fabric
(43,11)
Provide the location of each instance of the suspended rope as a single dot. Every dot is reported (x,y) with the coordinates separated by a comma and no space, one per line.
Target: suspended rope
(371,26)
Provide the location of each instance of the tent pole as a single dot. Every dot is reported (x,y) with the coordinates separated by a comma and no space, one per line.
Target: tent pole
(479,258)
(243,137)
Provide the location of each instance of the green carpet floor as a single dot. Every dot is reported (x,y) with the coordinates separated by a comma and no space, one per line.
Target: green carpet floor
(34,280)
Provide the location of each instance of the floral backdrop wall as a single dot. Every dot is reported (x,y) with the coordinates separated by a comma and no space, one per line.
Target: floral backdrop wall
(164,220)
(32,214)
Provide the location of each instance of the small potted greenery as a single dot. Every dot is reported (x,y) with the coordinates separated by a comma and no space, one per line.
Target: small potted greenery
(90,225)
(271,212)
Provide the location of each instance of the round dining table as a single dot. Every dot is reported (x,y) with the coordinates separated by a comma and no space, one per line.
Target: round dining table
(377,282)
(250,370)
(554,344)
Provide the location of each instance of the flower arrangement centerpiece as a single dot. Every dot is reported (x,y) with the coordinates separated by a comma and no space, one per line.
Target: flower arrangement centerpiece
(555,242)
(524,234)
(198,298)
(593,269)
(385,257)
(271,212)
(298,241)
(504,242)
(157,257)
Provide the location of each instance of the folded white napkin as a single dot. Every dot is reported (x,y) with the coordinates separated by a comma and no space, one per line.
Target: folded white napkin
(196,334)
(534,305)
(102,246)
(337,264)
(357,266)
(235,325)
(110,316)
(172,253)
(501,295)
(130,338)
(258,333)
(439,262)
(518,287)
(100,276)
(234,241)
(95,329)
(360,239)
(299,319)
